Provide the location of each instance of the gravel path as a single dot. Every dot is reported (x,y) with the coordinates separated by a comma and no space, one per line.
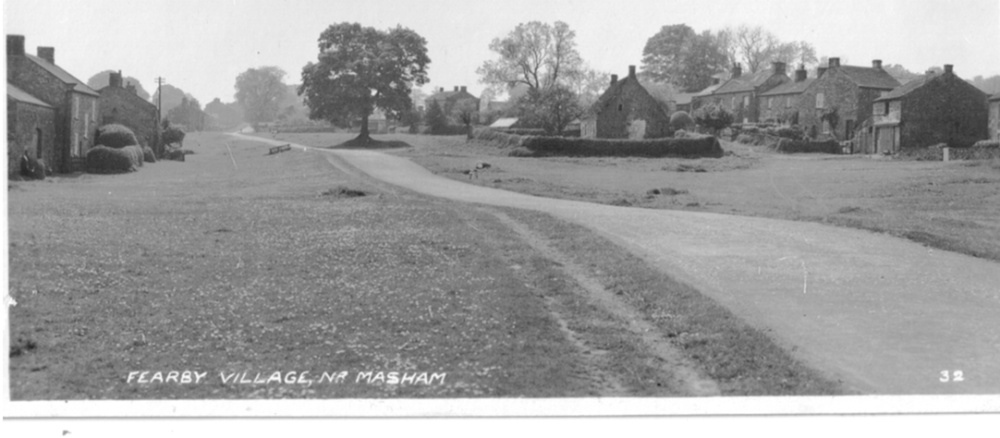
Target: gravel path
(885,315)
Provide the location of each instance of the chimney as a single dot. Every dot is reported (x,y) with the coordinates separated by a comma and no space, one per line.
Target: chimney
(115,80)
(820,71)
(834,62)
(737,70)
(716,80)
(877,64)
(778,67)
(464,89)
(48,54)
(801,74)
(456,88)
(948,68)
(631,71)
(614,79)
(15,45)
(131,87)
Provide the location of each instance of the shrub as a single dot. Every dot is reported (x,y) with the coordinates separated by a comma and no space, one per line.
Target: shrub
(32,168)
(172,135)
(173,154)
(785,132)
(713,117)
(116,136)
(148,155)
(681,120)
(134,155)
(794,146)
(994,144)
(102,159)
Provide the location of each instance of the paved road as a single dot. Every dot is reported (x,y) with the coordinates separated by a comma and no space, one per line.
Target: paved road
(886,315)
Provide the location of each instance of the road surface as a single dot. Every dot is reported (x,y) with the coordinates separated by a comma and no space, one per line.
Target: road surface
(885,315)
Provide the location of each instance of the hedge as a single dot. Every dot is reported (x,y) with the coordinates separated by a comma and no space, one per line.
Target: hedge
(497,138)
(792,146)
(981,150)
(116,136)
(103,159)
(707,146)
(148,155)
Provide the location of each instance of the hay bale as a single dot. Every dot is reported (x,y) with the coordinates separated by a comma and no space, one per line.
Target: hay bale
(134,153)
(173,154)
(148,155)
(32,168)
(102,159)
(116,136)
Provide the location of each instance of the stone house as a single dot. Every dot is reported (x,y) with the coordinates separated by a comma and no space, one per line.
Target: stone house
(704,96)
(31,128)
(628,109)
(740,95)
(843,95)
(781,104)
(995,117)
(75,104)
(449,100)
(122,104)
(936,108)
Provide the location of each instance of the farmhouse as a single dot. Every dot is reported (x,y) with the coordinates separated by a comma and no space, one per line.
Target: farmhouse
(628,109)
(841,97)
(122,105)
(74,103)
(995,117)
(925,111)
(781,104)
(741,93)
(449,100)
(31,128)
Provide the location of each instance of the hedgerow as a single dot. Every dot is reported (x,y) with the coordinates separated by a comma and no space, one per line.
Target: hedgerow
(707,146)
(116,136)
(794,146)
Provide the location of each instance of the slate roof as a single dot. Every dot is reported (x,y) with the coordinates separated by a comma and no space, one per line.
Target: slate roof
(745,82)
(23,96)
(791,87)
(63,75)
(659,92)
(906,88)
(504,123)
(708,90)
(867,77)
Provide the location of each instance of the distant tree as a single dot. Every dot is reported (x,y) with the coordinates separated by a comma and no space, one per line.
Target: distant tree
(713,117)
(550,109)
(260,91)
(361,69)
(435,118)
(590,85)
(465,113)
(188,114)
(103,79)
(900,73)
(172,97)
(223,115)
(678,55)
(536,54)
(990,85)
(795,52)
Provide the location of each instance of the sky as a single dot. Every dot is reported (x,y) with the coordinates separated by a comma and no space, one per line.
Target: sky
(202,45)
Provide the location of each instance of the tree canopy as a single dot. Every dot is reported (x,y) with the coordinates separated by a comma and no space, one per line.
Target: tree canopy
(679,56)
(172,97)
(260,91)
(187,114)
(536,54)
(360,69)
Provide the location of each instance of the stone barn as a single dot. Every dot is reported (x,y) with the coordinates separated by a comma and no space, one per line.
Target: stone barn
(122,104)
(936,108)
(31,128)
(628,109)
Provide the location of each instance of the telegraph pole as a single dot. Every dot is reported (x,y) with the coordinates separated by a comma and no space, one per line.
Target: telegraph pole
(159,114)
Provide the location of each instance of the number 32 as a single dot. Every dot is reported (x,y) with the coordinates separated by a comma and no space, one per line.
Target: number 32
(951,376)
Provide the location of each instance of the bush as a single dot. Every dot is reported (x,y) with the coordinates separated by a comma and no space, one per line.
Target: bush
(116,136)
(681,120)
(794,146)
(148,155)
(713,117)
(173,154)
(102,159)
(173,135)
(987,144)
(785,132)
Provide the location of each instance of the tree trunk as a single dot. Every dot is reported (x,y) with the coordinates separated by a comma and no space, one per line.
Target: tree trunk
(364,135)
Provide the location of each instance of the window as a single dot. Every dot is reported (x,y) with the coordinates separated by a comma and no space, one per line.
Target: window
(746,101)
(76,107)
(788,101)
(886,108)
(93,109)
(620,107)
(76,144)
(820,101)
(732,102)
(770,100)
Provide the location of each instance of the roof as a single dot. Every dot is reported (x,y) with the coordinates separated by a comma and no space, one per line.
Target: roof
(445,95)
(867,77)
(683,98)
(504,123)
(662,93)
(745,83)
(791,87)
(906,88)
(23,96)
(126,92)
(63,75)
(995,97)
(708,90)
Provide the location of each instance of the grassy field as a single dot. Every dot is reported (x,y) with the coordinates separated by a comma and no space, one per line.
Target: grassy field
(260,264)
(953,206)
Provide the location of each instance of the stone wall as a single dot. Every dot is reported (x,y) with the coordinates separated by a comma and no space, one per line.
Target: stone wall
(24,124)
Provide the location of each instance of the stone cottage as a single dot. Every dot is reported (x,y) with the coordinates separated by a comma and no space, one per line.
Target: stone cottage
(740,95)
(75,104)
(121,104)
(449,100)
(840,99)
(781,104)
(628,109)
(31,128)
(995,117)
(936,108)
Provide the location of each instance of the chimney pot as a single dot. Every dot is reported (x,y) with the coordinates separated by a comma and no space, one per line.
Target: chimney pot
(115,80)
(737,70)
(716,81)
(15,45)
(778,67)
(801,74)
(456,88)
(614,79)
(877,64)
(631,71)
(48,54)
(833,62)
(464,89)
(948,68)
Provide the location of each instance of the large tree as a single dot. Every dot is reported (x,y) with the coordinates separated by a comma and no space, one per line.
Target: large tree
(188,114)
(260,92)
(679,56)
(223,115)
(360,69)
(535,54)
(103,79)
(172,97)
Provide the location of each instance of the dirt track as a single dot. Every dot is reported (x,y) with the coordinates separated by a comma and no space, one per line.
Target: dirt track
(885,315)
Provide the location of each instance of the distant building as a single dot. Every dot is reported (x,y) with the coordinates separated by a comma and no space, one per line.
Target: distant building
(933,109)
(75,104)
(995,117)
(628,109)
(740,94)
(781,104)
(122,104)
(449,100)
(504,123)
(31,129)
(846,92)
